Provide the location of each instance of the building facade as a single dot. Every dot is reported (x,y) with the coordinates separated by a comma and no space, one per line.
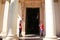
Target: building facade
(47,12)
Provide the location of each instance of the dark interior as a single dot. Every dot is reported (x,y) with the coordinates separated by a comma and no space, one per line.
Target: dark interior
(32,20)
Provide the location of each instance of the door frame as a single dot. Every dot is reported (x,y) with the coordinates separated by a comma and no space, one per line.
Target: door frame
(24,6)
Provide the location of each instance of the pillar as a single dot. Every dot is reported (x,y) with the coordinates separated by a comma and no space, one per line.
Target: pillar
(49,21)
(23,18)
(18,21)
(19,17)
(5,19)
(12,21)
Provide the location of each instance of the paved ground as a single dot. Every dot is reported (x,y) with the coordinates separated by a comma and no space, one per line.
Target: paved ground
(33,38)
(30,38)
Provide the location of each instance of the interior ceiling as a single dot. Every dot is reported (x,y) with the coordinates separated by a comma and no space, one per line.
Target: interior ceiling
(3,1)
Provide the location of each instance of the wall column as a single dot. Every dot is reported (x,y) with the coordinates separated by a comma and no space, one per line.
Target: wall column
(49,19)
(5,19)
(12,21)
(23,18)
(19,17)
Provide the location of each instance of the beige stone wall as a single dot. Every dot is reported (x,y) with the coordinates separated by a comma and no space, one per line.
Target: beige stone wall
(57,17)
(1,15)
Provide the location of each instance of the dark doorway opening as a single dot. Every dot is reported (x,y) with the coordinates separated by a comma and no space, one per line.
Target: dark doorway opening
(32,21)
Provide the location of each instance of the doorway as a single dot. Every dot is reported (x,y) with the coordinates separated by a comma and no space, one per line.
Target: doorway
(32,21)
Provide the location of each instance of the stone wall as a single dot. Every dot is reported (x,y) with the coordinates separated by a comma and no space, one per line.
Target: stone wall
(57,17)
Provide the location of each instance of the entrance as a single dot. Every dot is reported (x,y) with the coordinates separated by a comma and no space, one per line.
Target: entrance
(32,21)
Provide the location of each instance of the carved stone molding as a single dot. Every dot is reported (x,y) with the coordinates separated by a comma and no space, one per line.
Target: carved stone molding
(3,1)
(55,0)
